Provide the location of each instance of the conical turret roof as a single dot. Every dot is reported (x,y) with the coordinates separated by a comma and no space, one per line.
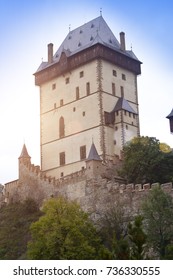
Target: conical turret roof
(24,153)
(93,154)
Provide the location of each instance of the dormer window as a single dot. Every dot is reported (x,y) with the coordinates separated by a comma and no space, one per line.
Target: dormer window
(91,38)
(92,25)
(79,44)
(81,31)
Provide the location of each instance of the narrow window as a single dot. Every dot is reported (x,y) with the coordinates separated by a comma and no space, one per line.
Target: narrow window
(124,77)
(53,86)
(129,114)
(83,114)
(62,158)
(113,89)
(54,105)
(83,152)
(114,73)
(61,127)
(77,93)
(81,74)
(61,102)
(122,91)
(88,88)
(67,80)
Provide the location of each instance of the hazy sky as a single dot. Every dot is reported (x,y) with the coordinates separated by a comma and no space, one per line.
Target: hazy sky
(26,27)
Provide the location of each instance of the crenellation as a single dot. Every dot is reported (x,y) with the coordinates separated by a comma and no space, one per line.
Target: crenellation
(146,186)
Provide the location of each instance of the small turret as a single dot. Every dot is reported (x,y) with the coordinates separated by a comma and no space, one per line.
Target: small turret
(24,159)
(93,163)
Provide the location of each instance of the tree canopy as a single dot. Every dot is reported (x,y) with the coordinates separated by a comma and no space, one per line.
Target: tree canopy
(146,160)
(158,214)
(15,220)
(64,232)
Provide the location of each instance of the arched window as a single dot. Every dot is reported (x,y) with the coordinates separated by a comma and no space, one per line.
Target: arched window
(61,127)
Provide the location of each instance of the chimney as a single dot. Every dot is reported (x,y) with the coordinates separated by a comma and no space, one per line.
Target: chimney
(122,41)
(50,53)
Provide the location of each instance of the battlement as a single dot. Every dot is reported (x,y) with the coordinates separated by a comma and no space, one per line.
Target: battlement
(94,194)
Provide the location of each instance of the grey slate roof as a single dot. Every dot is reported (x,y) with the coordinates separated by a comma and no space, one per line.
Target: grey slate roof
(93,154)
(87,35)
(123,104)
(24,153)
(170,115)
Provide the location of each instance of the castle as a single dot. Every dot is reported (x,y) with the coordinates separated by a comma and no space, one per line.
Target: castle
(88,111)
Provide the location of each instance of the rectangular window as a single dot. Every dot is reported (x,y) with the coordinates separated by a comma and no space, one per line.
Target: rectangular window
(113,89)
(114,73)
(88,88)
(83,152)
(53,86)
(122,91)
(62,158)
(81,74)
(77,93)
(67,80)
(124,77)
(61,102)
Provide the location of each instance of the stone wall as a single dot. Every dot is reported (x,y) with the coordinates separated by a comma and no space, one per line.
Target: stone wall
(93,194)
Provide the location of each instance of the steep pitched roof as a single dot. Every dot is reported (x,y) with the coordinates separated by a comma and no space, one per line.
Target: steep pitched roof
(93,154)
(170,115)
(123,104)
(24,153)
(85,36)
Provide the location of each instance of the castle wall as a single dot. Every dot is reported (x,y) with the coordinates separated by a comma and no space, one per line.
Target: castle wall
(94,195)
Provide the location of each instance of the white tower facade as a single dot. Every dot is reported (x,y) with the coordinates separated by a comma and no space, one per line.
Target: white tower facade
(88,92)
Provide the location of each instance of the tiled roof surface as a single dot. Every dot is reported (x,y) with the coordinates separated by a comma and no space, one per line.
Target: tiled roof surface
(85,36)
(123,104)
(93,154)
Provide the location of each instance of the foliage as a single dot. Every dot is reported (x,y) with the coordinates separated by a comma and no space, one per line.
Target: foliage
(64,232)
(137,238)
(158,214)
(113,228)
(144,161)
(15,220)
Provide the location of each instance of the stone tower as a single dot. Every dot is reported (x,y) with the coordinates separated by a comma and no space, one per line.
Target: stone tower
(88,90)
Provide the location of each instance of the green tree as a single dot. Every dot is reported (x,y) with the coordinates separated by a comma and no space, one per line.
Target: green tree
(64,232)
(113,227)
(15,221)
(137,238)
(145,161)
(158,214)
